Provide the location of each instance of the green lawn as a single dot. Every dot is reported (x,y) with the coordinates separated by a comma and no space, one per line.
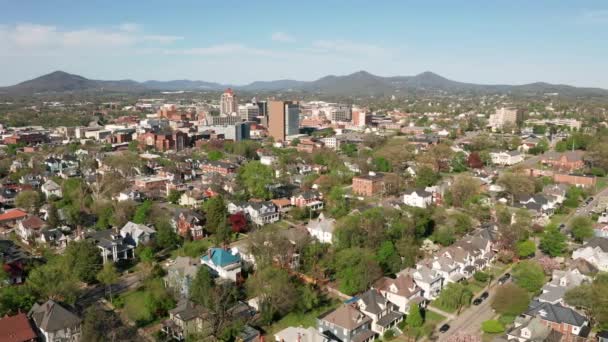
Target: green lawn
(436,305)
(431,320)
(433,317)
(193,249)
(295,319)
(602,182)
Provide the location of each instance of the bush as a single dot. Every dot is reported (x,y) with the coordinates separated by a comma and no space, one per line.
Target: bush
(492,327)
(481,277)
(389,334)
(525,249)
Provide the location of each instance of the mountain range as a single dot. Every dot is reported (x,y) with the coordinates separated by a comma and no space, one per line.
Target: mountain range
(360,83)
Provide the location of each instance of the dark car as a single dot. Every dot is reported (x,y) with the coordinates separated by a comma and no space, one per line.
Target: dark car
(562,226)
(444,328)
(504,278)
(477,301)
(484,295)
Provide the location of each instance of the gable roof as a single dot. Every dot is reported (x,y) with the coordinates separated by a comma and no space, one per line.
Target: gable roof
(346,316)
(52,316)
(13,214)
(600,242)
(16,329)
(556,313)
(322,223)
(33,222)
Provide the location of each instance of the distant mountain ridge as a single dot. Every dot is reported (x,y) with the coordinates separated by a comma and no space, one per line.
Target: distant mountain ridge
(360,83)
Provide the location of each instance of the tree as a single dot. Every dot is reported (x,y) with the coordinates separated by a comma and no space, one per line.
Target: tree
(166,237)
(529,275)
(464,189)
(382,164)
(201,289)
(475,161)
(388,258)
(53,281)
(553,242)
(174,196)
(53,215)
(256,179)
(481,276)
(356,269)
(425,176)
(100,326)
(215,155)
(28,200)
(592,298)
(349,149)
(408,249)
(510,299)
(459,162)
(525,248)
(414,317)
(142,212)
(454,296)
(517,184)
(83,260)
(337,203)
(215,213)
(581,228)
(277,293)
(238,222)
(15,299)
(108,276)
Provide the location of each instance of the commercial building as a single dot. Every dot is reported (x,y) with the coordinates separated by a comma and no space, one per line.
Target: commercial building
(228,102)
(283,119)
(504,117)
(249,112)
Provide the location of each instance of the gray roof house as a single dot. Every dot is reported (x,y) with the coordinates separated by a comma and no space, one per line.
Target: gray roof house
(180,275)
(346,324)
(383,313)
(55,323)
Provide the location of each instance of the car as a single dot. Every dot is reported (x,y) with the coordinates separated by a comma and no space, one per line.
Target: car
(477,301)
(562,226)
(504,278)
(484,295)
(444,328)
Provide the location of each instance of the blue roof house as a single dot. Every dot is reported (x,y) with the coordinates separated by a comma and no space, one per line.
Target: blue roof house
(223,263)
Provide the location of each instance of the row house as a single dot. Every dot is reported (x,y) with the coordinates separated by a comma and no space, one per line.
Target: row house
(566,161)
(595,252)
(384,313)
(221,167)
(401,291)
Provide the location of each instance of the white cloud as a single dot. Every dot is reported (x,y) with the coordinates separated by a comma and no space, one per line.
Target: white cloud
(27,39)
(348,47)
(282,37)
(222,49)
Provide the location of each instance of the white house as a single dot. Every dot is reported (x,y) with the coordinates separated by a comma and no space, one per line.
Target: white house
(418,198)
(506,158)
(322,228)
(401,291)
(429,280)
(223,263)
(136,234)
(55,323)
(50,188)
(595,252)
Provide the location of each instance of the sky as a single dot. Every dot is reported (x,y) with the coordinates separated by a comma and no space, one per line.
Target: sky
(237,42)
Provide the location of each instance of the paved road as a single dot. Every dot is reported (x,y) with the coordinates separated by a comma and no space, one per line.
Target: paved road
(94,293)
(469,321)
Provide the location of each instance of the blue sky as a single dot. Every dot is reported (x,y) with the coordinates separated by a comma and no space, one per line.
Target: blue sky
(512,42)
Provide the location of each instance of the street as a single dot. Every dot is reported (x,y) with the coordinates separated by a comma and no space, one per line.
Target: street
(94,293)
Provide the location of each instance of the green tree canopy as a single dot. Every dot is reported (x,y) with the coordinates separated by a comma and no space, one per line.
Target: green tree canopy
(510,299)
(553,242)
(529,275)
(581,228)
(256,179)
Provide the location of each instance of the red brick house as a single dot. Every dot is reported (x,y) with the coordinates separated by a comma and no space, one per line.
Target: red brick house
(223,168)
(564,320)
(188,223)
(568,161)
(17,329)
(368,185)
(175,141)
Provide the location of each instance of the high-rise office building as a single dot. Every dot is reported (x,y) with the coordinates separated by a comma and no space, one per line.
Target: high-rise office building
(228,102)
(249,111)
(283,119)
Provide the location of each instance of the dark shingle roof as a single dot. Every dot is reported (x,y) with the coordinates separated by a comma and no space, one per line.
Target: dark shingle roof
(556,313)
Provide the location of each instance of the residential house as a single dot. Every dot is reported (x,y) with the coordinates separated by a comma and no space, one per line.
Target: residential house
(112,245)
(180,274)
(12,257)
(566,161)
(137,234)
(429,280)
(300,334)
(309,199)
(595,251)
(322,228)
(260,213)
(50,188)
(54,322)
(192,198)
(532,329)
(30,228)
(17,328)
(53,238)
(418,198)
(506,158)
(188,223)
(561,281)
(8,195)
(283,204)
(221,167)
(562,319)
(12,216)
(368,185)
(558,191)
(185,319)
(130,195)
(383,313)
(346,324)
(401,291)
(223,263)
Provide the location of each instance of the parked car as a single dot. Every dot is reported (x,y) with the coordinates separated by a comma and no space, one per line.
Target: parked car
(477,301)
(484,295)
(444,328)
(504,278)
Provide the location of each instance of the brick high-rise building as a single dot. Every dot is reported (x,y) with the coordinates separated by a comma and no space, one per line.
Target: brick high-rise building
(283,119)
(228,102)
